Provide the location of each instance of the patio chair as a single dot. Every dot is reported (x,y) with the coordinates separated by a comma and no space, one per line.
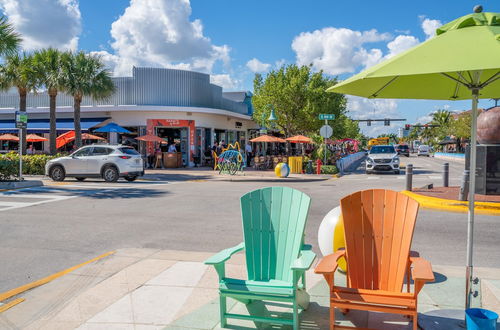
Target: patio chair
(273,226)
(378,229)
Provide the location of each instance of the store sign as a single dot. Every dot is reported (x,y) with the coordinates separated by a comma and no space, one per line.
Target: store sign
(21,119)
(238,124)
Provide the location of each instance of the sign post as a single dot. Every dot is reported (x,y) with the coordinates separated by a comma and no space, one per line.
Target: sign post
(326,131)
(21,123)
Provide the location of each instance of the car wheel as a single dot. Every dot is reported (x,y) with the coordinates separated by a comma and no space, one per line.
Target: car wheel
(80,179)
(110,174)
(57,173)
(397,172)
(130,178)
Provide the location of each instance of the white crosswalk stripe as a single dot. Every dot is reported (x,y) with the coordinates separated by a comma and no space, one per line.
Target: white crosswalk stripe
(23,200)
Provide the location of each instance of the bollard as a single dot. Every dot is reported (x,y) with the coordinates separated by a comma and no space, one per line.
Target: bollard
(409,176)
(446,174)
(464,187)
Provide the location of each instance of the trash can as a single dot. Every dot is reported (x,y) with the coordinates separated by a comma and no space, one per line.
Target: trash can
(170,159)
(480,319)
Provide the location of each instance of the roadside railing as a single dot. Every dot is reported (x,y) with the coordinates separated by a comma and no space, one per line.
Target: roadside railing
(345,162)
(450,156)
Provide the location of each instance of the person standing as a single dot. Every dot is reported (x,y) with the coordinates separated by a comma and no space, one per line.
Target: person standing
(172,148)
(249,154)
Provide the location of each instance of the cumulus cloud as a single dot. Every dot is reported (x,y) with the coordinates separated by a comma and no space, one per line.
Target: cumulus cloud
(400,44)
(160,34)
(429,26)
(337,50)
(363,108)
(225,81)
(257,66)
(45,23)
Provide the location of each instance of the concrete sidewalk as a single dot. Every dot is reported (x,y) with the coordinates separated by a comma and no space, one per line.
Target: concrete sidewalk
(163,289)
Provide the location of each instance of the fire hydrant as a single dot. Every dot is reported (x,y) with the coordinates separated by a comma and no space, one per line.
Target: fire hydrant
(318,166)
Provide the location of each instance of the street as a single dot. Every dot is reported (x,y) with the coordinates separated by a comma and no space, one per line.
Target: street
(51,228)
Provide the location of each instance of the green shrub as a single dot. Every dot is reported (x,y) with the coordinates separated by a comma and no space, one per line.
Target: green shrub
(32,165)
(329,169)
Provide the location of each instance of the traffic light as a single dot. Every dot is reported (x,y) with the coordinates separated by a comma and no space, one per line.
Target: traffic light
(368,123)
(426,125)
(387,122)
(407,127)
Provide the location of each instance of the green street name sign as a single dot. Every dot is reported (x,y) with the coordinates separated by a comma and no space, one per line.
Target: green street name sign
(326,116)
(21,119)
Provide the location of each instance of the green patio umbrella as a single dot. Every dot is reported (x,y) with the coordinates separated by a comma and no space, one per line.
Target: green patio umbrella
(461,62)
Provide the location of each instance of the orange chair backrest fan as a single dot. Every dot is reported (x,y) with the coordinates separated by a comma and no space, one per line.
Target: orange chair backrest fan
(378,227)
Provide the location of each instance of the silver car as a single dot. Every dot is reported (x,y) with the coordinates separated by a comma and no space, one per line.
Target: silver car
(109,162)
(382,158)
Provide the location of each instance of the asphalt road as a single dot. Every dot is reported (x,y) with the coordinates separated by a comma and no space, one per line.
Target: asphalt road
(48,229)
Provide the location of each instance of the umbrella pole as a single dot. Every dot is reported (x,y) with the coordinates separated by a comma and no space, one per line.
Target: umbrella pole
(472,191)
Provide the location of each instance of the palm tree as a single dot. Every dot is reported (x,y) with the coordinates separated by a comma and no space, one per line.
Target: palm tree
(47,64)
(441,118)
(9,39)
(18,72)
(85,75)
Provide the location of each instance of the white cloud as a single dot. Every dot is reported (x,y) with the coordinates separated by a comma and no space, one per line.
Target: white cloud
(45,23)
(170,40)
(400,44)
(225,81)
(257,66)
(363,108)
(279,63)
(429,26)
(337,50)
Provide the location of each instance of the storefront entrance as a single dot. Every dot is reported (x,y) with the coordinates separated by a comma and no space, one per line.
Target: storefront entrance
(181,132)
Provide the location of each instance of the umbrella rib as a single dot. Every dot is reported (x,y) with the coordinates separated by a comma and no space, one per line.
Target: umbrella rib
(490,80)
(457,80)
(383,87)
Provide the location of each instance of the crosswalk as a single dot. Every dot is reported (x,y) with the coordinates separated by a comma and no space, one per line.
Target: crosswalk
(17,199)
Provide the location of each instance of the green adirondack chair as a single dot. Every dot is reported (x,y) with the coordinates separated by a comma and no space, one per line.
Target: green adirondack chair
(276,256)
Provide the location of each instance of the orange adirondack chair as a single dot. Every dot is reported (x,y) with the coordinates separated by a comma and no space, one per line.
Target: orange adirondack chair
(378,229)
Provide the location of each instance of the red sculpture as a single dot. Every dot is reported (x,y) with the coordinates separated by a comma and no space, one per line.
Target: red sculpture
(488,126)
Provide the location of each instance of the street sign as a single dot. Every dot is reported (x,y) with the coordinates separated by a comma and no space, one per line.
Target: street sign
(21,119)
(326,131)
(326,116)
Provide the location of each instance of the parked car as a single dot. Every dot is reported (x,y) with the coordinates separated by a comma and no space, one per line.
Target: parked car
(423,150)
(109,162)
(382,158)
(403,149)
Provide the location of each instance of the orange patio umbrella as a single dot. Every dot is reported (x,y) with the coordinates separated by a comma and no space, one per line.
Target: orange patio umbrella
(150,138)
(299,139)
(35,138)
(268,138)
(87,136)
(8,137)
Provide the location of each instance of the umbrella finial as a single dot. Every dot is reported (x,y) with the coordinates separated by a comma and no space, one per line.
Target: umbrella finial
(478,9)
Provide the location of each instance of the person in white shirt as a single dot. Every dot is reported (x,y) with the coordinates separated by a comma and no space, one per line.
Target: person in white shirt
(172,148)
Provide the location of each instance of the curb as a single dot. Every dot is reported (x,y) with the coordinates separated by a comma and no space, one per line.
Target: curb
(450,205)
(10,185)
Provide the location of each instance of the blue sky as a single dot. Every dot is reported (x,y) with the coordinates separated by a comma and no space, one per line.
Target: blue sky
(233,39)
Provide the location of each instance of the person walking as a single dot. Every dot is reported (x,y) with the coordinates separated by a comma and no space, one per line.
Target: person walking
(249,154)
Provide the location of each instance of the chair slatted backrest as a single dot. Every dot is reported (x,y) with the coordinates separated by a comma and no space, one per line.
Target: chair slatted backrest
(378,227)
(273,225)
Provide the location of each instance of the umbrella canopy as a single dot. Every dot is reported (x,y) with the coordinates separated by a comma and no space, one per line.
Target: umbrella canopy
(299,139)
(268,138)
(150,138)
(87,136)
(461,62)
(112,128)
(8,137)
(35,138)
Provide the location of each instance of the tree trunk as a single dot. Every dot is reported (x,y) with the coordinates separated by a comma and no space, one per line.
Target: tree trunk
(22,107)
(76,116)
(53,127)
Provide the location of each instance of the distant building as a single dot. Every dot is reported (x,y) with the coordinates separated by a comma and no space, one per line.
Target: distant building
(402,132)
(180,106)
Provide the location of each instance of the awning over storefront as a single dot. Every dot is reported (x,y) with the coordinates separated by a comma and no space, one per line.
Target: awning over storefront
(43,125)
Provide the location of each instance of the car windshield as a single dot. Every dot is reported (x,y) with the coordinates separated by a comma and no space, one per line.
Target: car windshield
(382,150)
(403,147)
(129,151)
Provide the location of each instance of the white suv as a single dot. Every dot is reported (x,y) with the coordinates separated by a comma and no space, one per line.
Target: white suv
(382,158)
(97,161)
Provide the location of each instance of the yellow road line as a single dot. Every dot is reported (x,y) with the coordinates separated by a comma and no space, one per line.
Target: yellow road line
(13,303)
(450,205)
(21,289)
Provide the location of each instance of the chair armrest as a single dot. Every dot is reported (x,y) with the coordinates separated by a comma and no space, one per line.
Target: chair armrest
(328,265)
(421,270)
(224,255)
(305,261)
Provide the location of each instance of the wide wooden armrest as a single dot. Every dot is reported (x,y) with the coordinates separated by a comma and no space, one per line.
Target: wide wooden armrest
(328,265)
(224,255)
(304,261)
(421,270)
